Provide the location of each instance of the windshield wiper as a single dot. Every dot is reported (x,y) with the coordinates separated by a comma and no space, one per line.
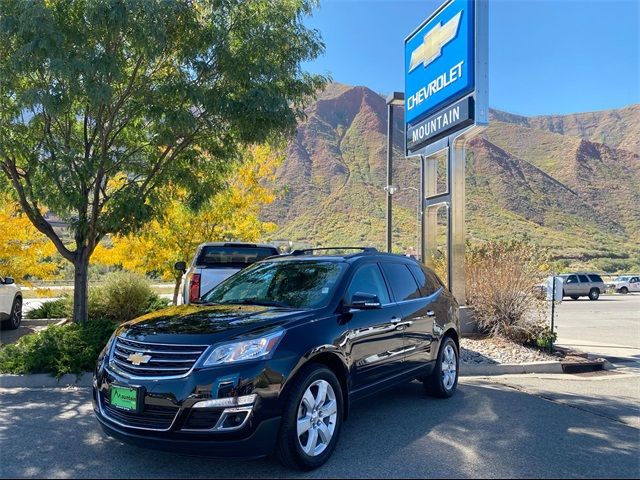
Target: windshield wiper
(257,301)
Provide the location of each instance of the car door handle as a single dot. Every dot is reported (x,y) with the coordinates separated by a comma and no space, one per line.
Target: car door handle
(431,313)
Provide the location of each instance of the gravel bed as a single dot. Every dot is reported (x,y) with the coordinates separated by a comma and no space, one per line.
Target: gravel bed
(493,351)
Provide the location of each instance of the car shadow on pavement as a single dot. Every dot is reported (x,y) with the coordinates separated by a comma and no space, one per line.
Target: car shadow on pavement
(485,430)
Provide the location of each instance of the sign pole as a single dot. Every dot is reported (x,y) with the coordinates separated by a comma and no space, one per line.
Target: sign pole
(553,312)
(389,187)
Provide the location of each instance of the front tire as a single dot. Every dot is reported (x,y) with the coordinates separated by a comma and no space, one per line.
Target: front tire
(312,419)
(575,297)
(15,317)
(594,294)
(443,380)
(624,290)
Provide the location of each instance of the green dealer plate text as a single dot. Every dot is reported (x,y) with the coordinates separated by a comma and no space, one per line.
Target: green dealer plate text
(124,398)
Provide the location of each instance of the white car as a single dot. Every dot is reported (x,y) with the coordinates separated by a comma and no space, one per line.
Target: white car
(10,304)
(215,262)
(626,284)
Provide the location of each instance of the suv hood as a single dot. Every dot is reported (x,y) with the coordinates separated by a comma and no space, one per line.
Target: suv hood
(206,324)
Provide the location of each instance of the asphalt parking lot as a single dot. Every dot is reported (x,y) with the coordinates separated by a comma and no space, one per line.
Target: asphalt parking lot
(609,327)
(497,427)
(508,426)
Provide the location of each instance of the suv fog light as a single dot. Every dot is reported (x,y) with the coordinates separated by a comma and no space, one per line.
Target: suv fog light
(233,418)
(227,402)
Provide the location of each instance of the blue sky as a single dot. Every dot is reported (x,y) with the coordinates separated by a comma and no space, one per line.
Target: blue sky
(545,56)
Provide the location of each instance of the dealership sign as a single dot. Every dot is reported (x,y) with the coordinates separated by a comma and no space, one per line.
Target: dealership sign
(453,117)
(440,74)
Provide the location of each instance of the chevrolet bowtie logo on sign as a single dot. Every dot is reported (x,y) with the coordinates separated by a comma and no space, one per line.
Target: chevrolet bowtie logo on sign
(440,70)
(434,41)
(138,358)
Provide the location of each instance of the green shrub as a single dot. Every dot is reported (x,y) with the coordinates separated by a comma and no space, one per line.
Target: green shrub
(123,296)
(546,338)
(52,309)
(71,348)
(156,302)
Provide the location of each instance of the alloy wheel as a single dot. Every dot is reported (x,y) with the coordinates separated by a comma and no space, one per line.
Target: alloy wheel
(449,367)
(317,416)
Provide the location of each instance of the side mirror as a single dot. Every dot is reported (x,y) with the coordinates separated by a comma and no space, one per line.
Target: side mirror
(180,266)
(8,281)
(364,301)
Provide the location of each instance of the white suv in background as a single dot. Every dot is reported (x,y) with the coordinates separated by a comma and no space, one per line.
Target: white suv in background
(625,284)
(10,304)
(215,262)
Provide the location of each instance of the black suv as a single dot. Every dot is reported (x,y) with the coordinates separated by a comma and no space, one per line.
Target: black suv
(273,357)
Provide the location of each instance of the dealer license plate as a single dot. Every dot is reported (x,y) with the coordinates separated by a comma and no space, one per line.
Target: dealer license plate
(125,398)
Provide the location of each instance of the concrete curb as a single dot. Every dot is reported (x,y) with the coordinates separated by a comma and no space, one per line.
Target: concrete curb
(29,322)
(467,370)
(43,380)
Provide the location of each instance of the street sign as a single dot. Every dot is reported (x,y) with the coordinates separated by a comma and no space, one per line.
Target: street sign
(445,63)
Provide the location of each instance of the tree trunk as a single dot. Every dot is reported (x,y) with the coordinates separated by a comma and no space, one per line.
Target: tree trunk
(176,290)
(81,289)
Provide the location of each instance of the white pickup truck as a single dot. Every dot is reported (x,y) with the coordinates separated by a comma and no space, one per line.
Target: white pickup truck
(215,262)
(10,304)
(625,284)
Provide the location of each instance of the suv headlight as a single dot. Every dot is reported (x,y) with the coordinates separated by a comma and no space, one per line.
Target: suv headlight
(259,347)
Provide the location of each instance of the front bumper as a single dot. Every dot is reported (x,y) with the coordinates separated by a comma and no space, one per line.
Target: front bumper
(259,444)
(168,421)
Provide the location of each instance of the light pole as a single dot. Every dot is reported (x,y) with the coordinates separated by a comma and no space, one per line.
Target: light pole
(418,223)
(394,100)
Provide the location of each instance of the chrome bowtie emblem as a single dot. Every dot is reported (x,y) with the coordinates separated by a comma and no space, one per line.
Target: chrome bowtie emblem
(138,358)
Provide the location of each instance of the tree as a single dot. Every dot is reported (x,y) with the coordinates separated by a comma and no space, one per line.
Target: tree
(105,102)
(231,214)
(25,253)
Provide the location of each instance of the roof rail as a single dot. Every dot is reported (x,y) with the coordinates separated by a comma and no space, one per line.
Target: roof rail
(310,250)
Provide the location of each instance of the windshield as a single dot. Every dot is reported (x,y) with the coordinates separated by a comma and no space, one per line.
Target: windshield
(295,284)
(621,279)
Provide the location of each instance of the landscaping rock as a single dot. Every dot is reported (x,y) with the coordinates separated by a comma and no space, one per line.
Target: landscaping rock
(495,351)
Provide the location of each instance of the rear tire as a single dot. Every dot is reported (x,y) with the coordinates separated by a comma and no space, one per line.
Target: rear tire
(575,297)
(306,445)
(624,290)
(594,294)
(15,317)
(443,380)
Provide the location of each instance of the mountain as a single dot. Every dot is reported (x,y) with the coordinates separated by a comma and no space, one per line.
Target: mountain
(570,183)
(617,128)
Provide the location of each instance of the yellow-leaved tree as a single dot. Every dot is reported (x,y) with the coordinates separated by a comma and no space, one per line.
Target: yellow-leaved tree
(25,253)
(233,214)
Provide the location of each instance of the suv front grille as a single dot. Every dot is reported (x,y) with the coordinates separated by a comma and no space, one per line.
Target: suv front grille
(152,417)
(145,359)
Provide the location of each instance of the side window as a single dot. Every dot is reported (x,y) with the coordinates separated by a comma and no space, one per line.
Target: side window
(368,279)
(584,279)
(595,278)
(401,281)
(635,280)
(427,282)
(572,279)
